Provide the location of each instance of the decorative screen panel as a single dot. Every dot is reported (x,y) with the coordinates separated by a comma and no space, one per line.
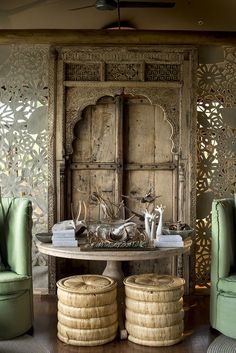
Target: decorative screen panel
(216,147)
(23,129)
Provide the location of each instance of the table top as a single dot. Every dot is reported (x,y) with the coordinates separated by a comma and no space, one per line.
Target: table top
(112,255)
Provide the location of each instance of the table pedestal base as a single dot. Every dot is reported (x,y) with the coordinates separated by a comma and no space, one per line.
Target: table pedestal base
(113,270)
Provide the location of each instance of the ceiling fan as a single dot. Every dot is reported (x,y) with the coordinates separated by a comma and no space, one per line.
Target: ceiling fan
(105,5)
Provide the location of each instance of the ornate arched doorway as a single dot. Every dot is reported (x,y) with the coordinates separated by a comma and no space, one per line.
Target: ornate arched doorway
(123,121)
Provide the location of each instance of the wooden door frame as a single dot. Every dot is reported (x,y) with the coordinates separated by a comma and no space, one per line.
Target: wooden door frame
(95,82)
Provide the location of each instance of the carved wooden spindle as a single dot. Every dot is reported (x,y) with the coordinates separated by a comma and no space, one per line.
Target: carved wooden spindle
(181,202)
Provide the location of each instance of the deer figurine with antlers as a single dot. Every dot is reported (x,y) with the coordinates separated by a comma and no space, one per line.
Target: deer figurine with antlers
(160,209)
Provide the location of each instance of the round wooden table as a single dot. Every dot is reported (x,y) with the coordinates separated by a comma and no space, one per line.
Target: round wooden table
(114,257)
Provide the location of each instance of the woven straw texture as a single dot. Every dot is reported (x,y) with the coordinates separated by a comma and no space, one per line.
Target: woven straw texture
(87,310)
(152,281)
(154,309)
(86,291)
(152,287)
(159,334)
(154,321)
(154,343)
(86,284)
(76,342)
(90,323)
(87,313)
(149,296)
(86,335)
(86,300)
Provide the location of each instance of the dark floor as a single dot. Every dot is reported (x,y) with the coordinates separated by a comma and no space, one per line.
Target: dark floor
(197,333)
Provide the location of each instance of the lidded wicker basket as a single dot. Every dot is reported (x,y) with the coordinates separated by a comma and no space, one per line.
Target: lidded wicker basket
(87,310)
(154,309)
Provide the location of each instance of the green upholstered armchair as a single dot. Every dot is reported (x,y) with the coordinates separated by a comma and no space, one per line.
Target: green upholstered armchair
(223,267)
(16,299)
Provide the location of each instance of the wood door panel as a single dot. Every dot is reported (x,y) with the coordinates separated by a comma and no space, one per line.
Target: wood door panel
(147,135)
(137,183)
(85,182)
(165,183)
(103,132)
(82,134)
(139,127)
(163,132)
(94,134)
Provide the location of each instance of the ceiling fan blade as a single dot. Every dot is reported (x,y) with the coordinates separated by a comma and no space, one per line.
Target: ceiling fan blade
(146,4)
(112,5)
(82,8)
(106,4)
(28,6)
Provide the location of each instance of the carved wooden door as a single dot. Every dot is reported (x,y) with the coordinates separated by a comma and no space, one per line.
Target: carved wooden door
(96,157)
(122,146)
(123,120)
(148,160)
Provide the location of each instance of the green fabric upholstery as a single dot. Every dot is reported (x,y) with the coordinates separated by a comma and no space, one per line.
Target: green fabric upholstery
(11,282)
(2,267)
(16,298)
(223,264)
(227,284)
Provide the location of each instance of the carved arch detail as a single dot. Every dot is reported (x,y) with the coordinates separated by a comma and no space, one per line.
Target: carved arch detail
(75,107)
(166,98)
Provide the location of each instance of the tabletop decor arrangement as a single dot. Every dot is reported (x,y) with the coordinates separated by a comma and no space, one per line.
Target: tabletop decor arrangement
(113,231)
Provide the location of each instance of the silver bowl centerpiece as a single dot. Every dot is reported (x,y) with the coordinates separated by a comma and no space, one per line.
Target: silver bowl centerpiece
(119,234)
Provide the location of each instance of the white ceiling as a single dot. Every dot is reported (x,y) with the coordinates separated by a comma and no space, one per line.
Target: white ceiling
(199,15)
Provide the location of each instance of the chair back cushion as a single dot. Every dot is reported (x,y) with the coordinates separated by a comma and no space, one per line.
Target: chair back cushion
(16,234)
(223,238)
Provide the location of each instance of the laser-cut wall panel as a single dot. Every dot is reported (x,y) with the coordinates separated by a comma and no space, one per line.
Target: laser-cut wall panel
(216,136)
(23,130)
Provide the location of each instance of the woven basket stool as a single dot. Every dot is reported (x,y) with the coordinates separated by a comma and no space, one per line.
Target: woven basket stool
(87,310)
(154,309)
